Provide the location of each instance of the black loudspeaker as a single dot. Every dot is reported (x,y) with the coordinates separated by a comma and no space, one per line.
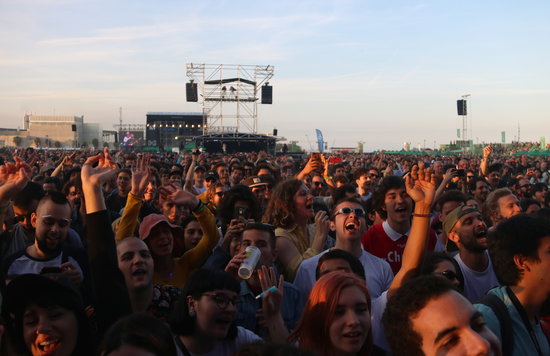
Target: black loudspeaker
(73,127)
(275,132)
(191,90)
(267,94)
(461,107)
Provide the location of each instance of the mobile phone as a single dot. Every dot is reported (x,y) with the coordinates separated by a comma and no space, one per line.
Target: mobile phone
(241,212)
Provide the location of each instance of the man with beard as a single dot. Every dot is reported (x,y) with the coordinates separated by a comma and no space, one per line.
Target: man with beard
(25,196)
(501,204)
(465,227)
(48,253)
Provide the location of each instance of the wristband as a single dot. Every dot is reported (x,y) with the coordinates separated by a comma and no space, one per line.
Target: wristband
(422,215)
(199,208)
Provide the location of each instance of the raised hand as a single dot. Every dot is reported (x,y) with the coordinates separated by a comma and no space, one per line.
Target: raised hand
(177,196)
(322,222)
(449,175)
(96,176)
(140,175)
(13,178)
(420,184)
(271,304)
(487,151)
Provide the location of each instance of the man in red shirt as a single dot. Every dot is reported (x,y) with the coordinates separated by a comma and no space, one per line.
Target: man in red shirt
(387,240)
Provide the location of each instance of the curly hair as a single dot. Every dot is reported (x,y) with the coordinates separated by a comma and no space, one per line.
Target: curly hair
(280,210)
(312,330)
(227,206)
(403,306)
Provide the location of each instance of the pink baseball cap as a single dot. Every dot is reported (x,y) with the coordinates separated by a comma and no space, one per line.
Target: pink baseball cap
(152,220)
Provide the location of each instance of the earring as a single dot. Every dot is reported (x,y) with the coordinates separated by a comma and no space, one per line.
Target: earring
(192,313)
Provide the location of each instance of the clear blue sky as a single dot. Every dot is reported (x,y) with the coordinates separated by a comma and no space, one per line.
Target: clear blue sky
(382,72)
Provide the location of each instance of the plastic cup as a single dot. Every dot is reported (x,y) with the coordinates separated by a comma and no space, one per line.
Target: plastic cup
(250,262)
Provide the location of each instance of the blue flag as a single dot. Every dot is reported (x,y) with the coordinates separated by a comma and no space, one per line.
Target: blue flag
(320,141)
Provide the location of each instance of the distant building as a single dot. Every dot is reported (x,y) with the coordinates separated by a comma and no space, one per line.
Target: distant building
(68,130)
(53,131)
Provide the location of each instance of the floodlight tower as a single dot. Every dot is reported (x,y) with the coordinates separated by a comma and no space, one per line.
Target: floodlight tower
(229,95)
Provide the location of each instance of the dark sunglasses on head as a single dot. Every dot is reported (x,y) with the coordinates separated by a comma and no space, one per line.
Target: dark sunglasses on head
(347,211)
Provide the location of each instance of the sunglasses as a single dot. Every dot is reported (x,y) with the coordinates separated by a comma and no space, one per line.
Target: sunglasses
(220,194)
(222,300)
(373,175)
(347,211)
(318,183)
(21,218)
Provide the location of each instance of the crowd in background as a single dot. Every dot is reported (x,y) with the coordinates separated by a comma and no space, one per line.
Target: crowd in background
(359,254)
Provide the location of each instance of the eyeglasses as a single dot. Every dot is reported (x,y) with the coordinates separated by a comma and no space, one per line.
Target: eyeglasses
(220,194)
(372,175)
(525,186)
(347,211)
(318,183)
(222,300)
(450,275)
(50,221)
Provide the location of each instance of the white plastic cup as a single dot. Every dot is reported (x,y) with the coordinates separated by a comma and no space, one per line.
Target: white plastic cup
(250,261)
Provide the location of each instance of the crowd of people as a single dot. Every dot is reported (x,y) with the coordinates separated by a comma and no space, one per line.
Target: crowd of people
(132,253)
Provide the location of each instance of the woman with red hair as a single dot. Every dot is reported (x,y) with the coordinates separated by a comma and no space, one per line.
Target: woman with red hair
(336,319)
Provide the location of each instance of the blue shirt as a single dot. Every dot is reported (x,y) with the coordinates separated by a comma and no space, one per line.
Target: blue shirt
(247,308)
(522,341)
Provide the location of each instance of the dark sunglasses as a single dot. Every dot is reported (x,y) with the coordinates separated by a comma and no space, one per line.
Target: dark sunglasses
(21,218)
(222,300)
(318,183)
(220,194)
(347,211)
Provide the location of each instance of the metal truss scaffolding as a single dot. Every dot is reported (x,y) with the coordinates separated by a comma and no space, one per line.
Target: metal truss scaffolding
(229,95)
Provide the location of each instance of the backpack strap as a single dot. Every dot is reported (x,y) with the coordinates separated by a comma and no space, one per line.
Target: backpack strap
(505,321)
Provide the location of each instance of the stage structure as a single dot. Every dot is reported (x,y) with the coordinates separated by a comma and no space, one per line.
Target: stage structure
(229,95)
(169,130)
